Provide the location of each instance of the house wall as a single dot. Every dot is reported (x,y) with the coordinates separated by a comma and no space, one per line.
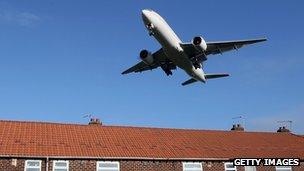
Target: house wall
(128,165)
(6,164)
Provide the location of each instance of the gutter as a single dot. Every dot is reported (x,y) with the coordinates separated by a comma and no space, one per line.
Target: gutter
(116,158)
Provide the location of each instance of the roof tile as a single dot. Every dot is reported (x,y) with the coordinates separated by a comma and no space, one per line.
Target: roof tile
(75,140)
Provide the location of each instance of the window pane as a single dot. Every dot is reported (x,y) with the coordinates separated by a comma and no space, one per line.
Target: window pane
(32,169)
(108,166)
(192,166)
(111,165)
(61,164)
(250,168)
(60,169)
(33,163)
(229,167)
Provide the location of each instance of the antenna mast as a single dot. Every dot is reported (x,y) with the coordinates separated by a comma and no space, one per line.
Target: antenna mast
(240,119)
(286,122)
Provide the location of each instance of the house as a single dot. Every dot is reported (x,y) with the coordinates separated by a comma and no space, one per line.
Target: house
(41,146)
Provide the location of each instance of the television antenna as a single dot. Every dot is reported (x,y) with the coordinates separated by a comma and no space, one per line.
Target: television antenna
(239,119)
(286,122)
(87,115)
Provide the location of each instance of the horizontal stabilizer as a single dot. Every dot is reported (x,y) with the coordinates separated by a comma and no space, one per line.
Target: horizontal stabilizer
(191,80)
(211,76)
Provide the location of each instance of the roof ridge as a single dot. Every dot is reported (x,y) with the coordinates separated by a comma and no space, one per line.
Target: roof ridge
(40,122)
(134,127)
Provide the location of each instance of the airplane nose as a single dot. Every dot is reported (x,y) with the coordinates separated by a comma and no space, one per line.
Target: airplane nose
(144,14)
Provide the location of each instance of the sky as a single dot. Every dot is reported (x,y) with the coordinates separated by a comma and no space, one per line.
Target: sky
(60,60)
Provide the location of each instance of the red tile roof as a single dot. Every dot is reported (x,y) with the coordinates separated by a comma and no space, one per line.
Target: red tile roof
(96,141)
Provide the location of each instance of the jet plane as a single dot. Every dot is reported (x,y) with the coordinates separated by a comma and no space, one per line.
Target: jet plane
(175,53)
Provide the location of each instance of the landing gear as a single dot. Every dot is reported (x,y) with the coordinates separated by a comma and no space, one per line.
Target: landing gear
(150,28)
(166,70)
(197,61)
(197,65)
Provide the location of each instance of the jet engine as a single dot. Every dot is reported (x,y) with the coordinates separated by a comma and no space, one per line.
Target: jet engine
(199,43)
(146,56)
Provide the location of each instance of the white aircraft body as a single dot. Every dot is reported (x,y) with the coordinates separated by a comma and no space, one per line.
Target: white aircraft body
(174,53)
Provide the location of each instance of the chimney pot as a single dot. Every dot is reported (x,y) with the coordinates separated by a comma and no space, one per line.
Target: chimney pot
(283,129)
(237,127)
(95,121)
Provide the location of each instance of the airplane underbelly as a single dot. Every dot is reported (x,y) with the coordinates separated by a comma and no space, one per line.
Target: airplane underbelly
(180,59)
(173,50)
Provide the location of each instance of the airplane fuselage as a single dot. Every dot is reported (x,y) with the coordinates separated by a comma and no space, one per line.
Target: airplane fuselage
(171,44)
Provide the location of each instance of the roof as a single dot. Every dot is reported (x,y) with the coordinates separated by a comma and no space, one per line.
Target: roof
(19,138)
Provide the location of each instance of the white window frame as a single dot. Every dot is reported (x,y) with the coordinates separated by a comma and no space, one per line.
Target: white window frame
(278,168)
(254,167)
(229,169)
(105,162)
(189,169)
(60,167)
(32,167)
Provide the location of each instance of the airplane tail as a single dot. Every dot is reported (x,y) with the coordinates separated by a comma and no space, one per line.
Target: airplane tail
(207,76)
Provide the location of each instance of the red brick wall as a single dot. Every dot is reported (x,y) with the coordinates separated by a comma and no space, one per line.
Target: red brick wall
(150,165)
(129,165)
(299,168)
(265,168)
(78,165)
(6,164)
(213,166)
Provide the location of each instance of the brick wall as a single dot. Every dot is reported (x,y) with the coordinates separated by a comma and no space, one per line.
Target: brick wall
(213,166)
(299,168)
(78,165)
(6,164)
(128,165)
(150,165)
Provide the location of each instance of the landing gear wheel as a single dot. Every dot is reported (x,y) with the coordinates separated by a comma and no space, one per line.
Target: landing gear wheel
(196,65)
(168,72)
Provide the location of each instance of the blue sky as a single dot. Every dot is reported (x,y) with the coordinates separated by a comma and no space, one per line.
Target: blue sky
(60,60)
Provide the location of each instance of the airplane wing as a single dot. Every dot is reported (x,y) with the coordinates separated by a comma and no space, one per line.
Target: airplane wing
(219,46)
(159,59)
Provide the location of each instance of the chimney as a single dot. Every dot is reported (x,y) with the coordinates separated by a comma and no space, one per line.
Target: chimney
(283,129)
(237,127)
(95,121)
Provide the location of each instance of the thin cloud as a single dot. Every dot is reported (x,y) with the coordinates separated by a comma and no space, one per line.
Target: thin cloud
(19,18)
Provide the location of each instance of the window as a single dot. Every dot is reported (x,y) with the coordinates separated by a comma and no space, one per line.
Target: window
(192,166)
(250,168)
(230,167)
(107,166)
(283,168)
(60,165)
(32,165)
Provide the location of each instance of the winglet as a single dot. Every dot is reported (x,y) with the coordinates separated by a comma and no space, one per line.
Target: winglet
(261,39)
(125,72)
